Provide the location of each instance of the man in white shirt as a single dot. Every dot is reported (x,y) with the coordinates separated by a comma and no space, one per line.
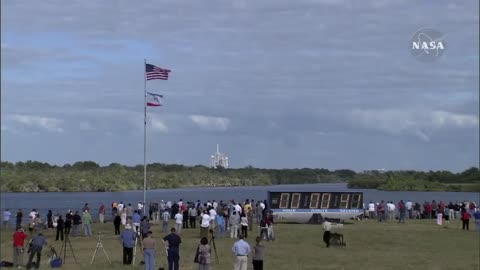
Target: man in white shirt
(371,210)
(205,224)
(238,208)
(6,218)
(139,206)
(241,249)
(165,218)
(33,214)
(409,206)
(327,226)
(391,210)
(120,207)
(213,215)
(178,222)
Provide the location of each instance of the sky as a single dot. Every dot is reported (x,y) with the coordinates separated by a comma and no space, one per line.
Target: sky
(277,83)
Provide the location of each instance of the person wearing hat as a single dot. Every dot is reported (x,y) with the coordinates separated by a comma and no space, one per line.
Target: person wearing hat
(18,247)
(128,241)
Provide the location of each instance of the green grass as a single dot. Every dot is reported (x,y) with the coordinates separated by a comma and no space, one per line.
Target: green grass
(370,245)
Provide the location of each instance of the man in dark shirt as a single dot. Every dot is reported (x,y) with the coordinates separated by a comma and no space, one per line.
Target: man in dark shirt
(60,227)
(19,218)
(37,244)
(174,242)
(68,222)
(77,220)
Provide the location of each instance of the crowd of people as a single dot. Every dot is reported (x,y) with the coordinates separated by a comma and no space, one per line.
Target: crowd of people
(213,220)
(440,211)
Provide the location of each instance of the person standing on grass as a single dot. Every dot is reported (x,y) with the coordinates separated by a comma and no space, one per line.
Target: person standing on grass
(371,210)
(451,211)
(144,227)
(18,247)
(244,225)
(165,218)
(258,254)
(234,223)
(19,218)
(465,219)
(49,219)
(101,213)
(77,220)
(477,220)
(178,222)
(270,233)
(87,223)
(136,219)
(116,223)
(68,222)
(192,213)
(173,241)
(129,211)
(205,225)
(6,218)
(204,252)
(409,206)
(381,212)
(185,219)
(128,240)
(149,246)
(241,249)
(402,211)
(60,228)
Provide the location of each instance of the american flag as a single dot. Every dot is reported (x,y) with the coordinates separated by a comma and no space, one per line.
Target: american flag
(156,73)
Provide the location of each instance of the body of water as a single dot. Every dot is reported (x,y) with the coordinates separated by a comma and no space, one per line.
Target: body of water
(62,201)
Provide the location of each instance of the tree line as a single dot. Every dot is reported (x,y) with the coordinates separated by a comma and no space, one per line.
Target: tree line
(34,176)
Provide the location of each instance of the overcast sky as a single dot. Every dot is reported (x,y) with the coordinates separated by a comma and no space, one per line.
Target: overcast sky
(277,83)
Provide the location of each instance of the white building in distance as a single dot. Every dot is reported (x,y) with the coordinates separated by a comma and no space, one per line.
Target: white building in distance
(218,159)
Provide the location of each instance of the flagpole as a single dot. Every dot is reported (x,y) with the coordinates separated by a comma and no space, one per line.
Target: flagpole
(144,137)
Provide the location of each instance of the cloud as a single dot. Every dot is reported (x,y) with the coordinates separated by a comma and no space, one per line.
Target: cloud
(86,126)
(158,125)
(284,74)
(211,123)
(37,122)
(420,123)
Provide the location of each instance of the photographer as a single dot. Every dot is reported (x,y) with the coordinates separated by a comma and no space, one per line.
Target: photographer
(18,247)
(37,244)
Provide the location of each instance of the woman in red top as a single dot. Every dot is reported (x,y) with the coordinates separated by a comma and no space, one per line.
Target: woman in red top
(18,247)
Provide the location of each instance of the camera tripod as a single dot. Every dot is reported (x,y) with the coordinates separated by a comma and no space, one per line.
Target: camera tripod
(100,245)
(212,242)
(63,250)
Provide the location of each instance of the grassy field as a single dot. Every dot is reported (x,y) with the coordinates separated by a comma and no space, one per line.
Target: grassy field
(370,245)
